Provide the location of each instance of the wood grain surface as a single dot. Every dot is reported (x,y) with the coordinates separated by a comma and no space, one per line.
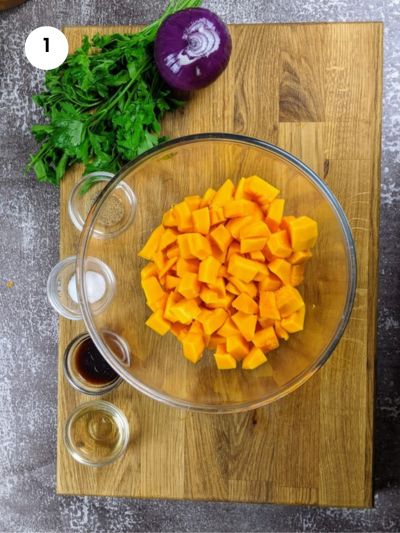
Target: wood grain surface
(315,90)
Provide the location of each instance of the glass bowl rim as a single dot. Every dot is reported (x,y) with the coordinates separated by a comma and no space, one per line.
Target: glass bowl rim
(295,382)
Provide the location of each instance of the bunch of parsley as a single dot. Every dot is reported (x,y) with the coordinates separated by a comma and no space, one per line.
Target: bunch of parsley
(104,103)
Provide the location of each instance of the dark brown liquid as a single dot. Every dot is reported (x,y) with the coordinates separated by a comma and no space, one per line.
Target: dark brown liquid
(91,365)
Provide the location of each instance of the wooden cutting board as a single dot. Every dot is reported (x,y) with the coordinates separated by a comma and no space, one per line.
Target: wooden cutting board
(315,90)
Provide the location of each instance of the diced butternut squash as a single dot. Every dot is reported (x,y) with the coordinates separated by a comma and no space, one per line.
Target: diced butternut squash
(297,275)
(258,188)
(168,264)
(294,322)
(152,289)
(288,300)
(193,201)
(212,320)
(173,251)
(298,258)
(239,208)
(169,219)
(270,283)
(233,249)
(255,244)
(257,256)
(228,328)
(239,192)
(255,229)
(224,194)
(149,270)
(151,246)
(201,220)
(207,197)
(171,282)
(225,361)
(189,285)
(268,306)
(167,238)
(209,270)
(235,225)
(221,237)
(275,213)
(214,341)
(242,268)
(157,322)
(254,359)
(285,222)
(303,233)
(183,216)
(266,339)
(185,311)
(279,244)
(281,333)
(237,346)
(193,346)
(282,269)
(245,304)
(216,215)
(186,265)
(222,273)
(246,324)
(248,288)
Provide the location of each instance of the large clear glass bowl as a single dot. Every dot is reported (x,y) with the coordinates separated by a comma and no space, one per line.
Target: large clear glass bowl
(163,176)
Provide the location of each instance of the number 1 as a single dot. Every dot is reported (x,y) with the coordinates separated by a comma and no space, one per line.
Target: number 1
(46,39)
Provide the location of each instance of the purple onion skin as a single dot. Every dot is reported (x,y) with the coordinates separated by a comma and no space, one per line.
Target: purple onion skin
(192,49)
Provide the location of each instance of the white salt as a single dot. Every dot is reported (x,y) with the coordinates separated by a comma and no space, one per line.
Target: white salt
(95,287)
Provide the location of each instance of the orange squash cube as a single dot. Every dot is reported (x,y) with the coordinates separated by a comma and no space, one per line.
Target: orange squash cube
(275,213)
(212,320)
(239,208)
(282,269)
(224,194)
(186,265)
(268,306)
(266,339)
(254,359)
(221,237)
(151,246)
(298,258)
(169,219)
(149,270)
(280,331)
(185,311)
(167,238)
(183,216)
(258,188)
(235,225)
(209,270)
(288,301)
(207,197)
(157,322)
(225,361)
(297,275)
(303,233)
(245,304)
(193,346)
(279,244)
(189,285)
(228,328)
(246,324)
(216,215)
(152,289)
(294,322)
(255,244)
(201,220)
(242,268)
(237,346)
(270,283)
(193,201)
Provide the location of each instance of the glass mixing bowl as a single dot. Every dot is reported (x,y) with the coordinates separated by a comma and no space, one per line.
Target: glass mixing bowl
(164,176)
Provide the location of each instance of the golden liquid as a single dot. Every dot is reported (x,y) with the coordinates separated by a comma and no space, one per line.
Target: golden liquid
(97,434)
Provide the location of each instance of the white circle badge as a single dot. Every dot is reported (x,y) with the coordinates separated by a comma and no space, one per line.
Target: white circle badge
(46,48)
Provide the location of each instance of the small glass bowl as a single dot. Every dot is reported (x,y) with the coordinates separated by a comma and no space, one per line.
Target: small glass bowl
(76,380)
(61,276)
(96,433)
(119,211)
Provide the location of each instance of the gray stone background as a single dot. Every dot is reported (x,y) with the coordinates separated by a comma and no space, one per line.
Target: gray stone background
(29,239)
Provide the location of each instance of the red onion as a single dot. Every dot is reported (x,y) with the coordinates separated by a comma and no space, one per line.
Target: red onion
(192,48)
